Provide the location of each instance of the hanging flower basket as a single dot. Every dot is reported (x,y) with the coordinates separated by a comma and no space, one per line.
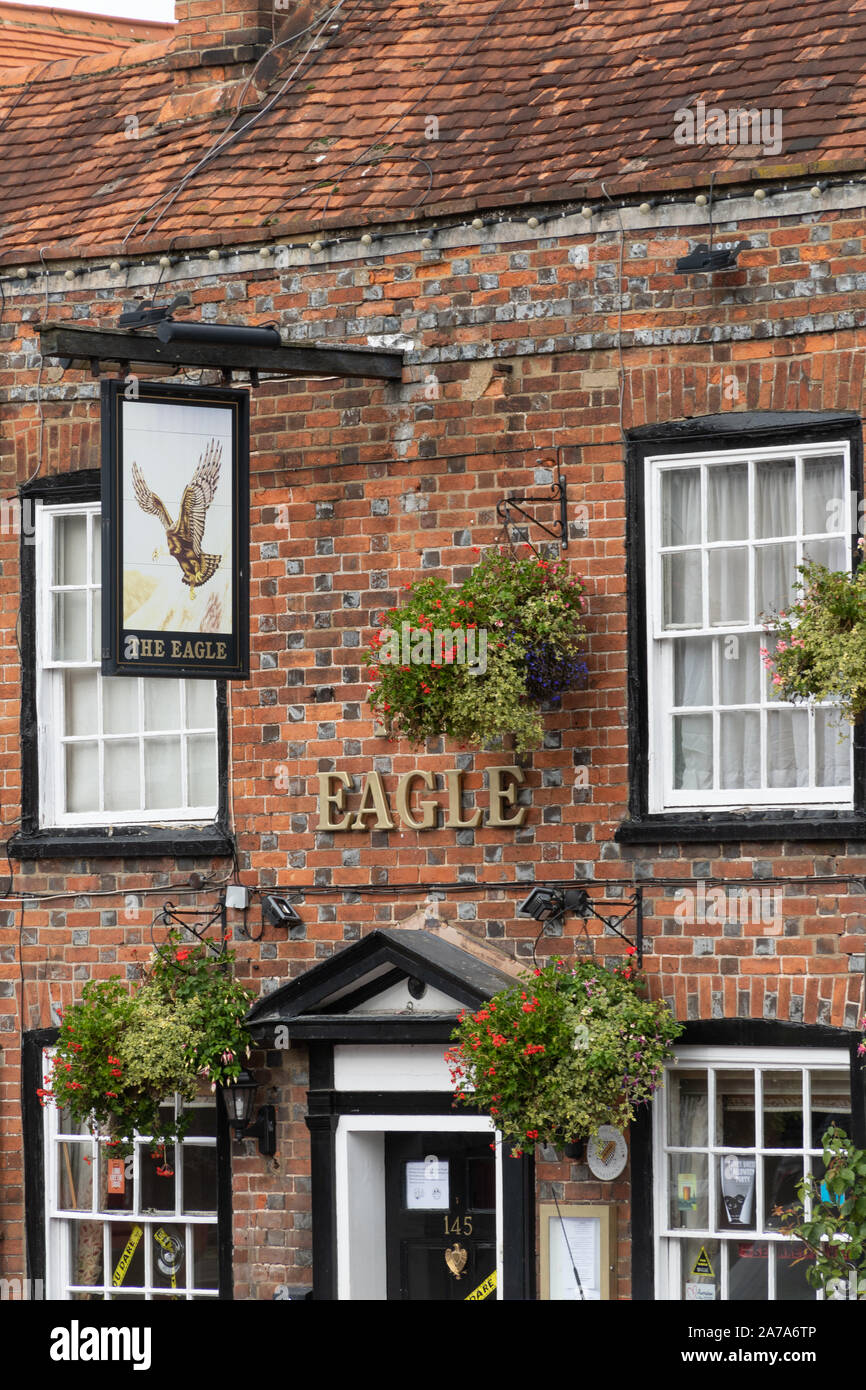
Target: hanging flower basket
(567,1050)
(121,1055)
(479,662)
(820,643)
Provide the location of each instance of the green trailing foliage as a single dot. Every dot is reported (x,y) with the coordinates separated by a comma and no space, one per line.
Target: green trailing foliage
(122,1053)
(820,642)
(564,1051)
(834,1230)
(527,612)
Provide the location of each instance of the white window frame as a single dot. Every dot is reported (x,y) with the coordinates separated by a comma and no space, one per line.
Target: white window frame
(59,1222)
(660,691)
(668,1242)
(49,700)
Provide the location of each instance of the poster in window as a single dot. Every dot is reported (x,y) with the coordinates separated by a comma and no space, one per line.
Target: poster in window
(175,540)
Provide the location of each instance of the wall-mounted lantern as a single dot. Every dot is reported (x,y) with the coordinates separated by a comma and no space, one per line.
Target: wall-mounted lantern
(239,1097)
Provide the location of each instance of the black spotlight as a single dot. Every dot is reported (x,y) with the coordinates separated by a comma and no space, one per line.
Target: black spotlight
(702,259)
(545,904)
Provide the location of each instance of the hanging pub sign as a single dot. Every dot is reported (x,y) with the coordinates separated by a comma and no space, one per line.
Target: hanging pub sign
(175,530)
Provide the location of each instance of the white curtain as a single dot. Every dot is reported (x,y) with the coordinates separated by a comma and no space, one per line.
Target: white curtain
(736,679)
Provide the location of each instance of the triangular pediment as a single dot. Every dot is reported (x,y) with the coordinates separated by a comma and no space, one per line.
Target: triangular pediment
(414,976)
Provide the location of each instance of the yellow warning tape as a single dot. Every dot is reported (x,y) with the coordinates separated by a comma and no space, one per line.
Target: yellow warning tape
(125,1260)
(483,1290)
(164,1239)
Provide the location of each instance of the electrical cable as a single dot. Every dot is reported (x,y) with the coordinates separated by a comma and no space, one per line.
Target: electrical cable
(225,140)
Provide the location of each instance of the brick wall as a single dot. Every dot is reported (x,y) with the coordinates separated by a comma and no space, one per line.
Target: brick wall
(513,355)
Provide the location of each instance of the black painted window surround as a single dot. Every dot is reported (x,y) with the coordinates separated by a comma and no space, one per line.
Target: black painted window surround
(736,430)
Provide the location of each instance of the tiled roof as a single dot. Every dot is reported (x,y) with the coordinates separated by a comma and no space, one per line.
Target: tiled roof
(30,33)
(413,108)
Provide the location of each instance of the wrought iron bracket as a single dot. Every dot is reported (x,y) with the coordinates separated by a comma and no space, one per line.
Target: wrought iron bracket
(558,493)
(176,916)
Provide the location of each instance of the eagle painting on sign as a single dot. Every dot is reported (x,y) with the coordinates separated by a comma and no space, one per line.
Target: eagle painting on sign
(175,527)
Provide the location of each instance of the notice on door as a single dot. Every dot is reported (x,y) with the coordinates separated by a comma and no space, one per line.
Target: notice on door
(427,1185)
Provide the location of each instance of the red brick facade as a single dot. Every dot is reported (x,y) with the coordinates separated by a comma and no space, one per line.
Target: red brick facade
(513,368)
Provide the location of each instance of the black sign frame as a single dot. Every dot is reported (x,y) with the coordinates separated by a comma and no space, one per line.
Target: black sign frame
(187,653)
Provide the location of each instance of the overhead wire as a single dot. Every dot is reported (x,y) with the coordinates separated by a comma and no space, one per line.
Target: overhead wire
(227,138)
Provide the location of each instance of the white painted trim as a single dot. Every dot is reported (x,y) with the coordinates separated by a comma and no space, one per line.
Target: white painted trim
(49,699)
(350,1228)
(397,1067)
(662,795)
(667,1249)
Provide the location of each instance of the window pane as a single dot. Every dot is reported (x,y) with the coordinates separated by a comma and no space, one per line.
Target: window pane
(831,1105)
(728,509)
(688,1192)
(681,581)
(96,627)
(161,704)
(693,671)
(748,1271)
(735,1109)
(205,1271)
(96,550)
(696,1257)
(126,1244)
(792,1286)
(76,1176)
(693,751)
(85,1253)
(783,1110)
(157,1179)
(199,1180)
(681,506)
(775,574)
(169,1256)
(825,495)
(788,748)
(739,670)
(200,704)
(729,586)
(120,705)
(833,554)
(201,1120)
(70,550)
(736,1188)
(80,702)
(740,749)
(832,749)
(116,1181)
(162,772)
(775,501)
(781,1175)
(71,642)
(201,755)
(687,1108)
(82,777)
(122,791)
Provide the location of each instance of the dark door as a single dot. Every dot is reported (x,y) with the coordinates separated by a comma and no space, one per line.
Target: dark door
(440,1196)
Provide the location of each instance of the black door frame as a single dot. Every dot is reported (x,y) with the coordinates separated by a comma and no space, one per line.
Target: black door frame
(325,1106)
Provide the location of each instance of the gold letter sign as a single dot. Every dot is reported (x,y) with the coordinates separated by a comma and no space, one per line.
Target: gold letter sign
(373,811)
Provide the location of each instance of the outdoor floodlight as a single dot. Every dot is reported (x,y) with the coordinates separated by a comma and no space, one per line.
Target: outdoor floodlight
(279,911)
